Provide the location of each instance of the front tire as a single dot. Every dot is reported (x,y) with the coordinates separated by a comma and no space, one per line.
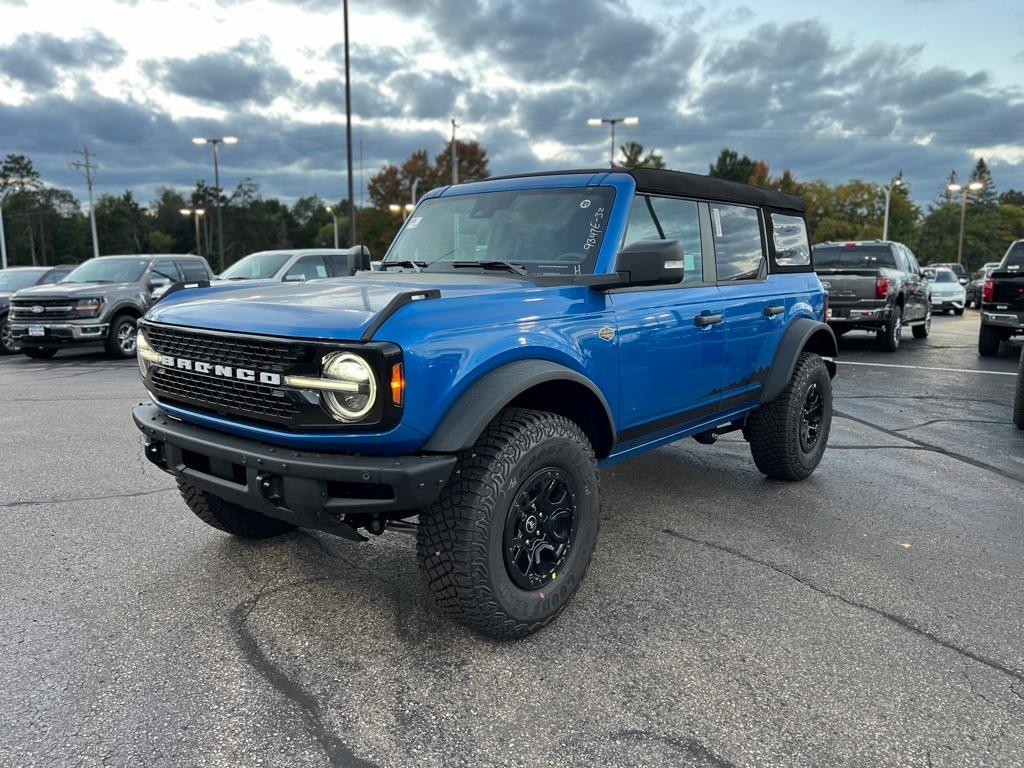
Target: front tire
(508,542)
(121,337)
(8,346)
(788,435)
(988,341)
(958,311)
(890,336)
(228,517)
(921,331)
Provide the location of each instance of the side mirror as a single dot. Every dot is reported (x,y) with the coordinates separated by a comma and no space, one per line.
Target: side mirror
(298,277)
(963,281)
(358,259)
(158,281)
(650,262)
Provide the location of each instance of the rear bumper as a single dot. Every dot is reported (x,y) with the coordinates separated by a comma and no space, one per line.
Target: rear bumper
(848,315)
(312,490)
(59,334)
(1003,318)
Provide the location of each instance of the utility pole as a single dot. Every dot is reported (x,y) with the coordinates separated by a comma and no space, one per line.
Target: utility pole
(87,166)
(348,140)
(455,155)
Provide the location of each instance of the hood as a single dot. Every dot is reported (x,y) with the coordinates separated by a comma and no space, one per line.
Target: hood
(74,290)
(341,308)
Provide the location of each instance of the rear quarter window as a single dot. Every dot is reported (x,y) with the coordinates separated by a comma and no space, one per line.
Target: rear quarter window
(789,234)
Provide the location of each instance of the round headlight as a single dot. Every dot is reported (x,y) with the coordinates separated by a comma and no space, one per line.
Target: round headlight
(354,370)
(144,353)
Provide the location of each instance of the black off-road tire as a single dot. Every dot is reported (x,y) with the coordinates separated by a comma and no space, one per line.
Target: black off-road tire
(8,346)
(228,517)
(774,429)
(460,544)
(988,341)
(1018,400)
(890,336)
(114,344)
(39,353)
(921,331)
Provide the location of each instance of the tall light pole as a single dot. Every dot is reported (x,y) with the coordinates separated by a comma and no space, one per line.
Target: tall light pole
(896,181)
(199,141)
(195,213)
(964,190)
(348,140)
(334,218)
(455,155)
(612,121)
(415,184)
(87,167)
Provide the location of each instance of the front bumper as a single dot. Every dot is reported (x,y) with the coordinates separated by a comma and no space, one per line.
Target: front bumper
(59,334)
(312,490)
(944,303)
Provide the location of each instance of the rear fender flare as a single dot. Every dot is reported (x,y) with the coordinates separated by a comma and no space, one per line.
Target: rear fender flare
(803,334)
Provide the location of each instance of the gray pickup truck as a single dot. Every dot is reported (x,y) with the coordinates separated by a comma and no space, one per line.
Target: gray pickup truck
(876,286)
(98,303)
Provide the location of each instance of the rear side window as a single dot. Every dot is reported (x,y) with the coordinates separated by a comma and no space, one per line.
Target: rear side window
(737,235)
(307,268)
(193,270)
(1014,258)
(792,248)
(338,264)
(853,257)
(164,270)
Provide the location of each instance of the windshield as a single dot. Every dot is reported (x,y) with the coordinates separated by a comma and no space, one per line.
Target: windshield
(853,257)
(108,270)
(1014,258)
(256,266)
(16,279)
(544,231)
(945,276)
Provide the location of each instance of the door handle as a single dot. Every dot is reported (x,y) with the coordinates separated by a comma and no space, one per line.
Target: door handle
(772,311)
(702,321)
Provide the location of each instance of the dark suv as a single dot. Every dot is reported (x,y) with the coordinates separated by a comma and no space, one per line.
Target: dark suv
(99,302)
(14,279)
(876,286)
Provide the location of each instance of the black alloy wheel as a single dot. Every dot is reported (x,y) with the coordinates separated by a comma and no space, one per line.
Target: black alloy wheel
(540,528)
(8,346)
(811,417)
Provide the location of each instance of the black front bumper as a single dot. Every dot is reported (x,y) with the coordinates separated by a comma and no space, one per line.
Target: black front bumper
(330,492)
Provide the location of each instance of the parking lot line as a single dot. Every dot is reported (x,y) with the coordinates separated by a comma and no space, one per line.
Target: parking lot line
(922,367)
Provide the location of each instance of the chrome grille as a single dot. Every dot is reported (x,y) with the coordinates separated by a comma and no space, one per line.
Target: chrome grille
(52,309)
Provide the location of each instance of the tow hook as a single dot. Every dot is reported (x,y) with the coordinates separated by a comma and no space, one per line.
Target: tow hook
(706,438)
(269,486)
(155,453)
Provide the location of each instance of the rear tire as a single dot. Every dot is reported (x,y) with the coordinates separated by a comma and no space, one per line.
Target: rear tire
(988,341)
(488,546)
(228,517)
(1018,401)
(958,312)
(890,336)
(921,331)
(120,342)
(39,353)
(788,436)
(8,346)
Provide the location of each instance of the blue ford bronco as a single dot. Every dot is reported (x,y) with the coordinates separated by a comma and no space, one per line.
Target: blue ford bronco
(520,333)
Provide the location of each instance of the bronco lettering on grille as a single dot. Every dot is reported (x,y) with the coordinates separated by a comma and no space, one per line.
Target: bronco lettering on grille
(223,371)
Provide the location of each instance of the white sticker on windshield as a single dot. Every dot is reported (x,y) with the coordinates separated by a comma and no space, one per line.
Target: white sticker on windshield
(716,217)
(413,222)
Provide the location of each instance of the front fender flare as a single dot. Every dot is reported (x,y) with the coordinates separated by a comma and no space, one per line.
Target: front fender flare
(803,333)
(484,399)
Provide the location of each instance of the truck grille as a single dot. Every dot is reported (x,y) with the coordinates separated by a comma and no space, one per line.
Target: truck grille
(52,309)
(220,393)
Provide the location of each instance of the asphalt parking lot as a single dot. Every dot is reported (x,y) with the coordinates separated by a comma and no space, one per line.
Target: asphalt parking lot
(872,615)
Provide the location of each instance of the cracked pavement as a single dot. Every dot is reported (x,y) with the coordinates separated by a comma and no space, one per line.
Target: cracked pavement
(872,615)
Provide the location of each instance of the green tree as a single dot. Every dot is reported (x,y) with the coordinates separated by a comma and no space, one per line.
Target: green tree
(732,167)
(986,197)
(121,224)
(392,185)
(855,211)
(633,156)
(1012,197)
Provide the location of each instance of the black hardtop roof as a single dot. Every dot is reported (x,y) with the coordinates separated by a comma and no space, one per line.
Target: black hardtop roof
(684,184)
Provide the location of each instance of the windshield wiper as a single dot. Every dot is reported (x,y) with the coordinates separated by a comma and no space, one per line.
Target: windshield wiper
(508,266)
(417,265)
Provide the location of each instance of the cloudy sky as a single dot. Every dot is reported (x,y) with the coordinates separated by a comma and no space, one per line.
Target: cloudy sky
(861,90)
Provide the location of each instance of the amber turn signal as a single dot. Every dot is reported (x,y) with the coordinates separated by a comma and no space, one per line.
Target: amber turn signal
(397,384)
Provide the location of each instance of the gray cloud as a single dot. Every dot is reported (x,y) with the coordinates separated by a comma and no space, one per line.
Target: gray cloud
(246,73)
(37,61)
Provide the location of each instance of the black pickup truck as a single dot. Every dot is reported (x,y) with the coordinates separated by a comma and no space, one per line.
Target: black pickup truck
(1002,302)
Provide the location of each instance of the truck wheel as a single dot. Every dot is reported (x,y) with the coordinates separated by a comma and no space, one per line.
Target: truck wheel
(890,336)
(988,341)
(228,517)
(39,353)
(1018,401)
(8,346)
(921,331)
(121,337)
(958,311)
(509,540)
(788,435)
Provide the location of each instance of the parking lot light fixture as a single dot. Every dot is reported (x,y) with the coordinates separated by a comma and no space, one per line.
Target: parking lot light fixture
(395,208)
(954,186)
(195,213)
(612,121)
(216,142)
(334,218)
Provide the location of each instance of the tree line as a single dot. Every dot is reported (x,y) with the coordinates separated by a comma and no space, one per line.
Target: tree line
(46,225)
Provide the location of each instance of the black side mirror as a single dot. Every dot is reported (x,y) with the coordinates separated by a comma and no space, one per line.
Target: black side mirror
(650,262)
(358,259)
